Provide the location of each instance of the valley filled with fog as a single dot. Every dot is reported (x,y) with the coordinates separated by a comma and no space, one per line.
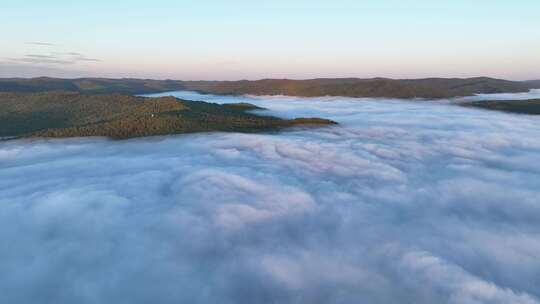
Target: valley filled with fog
(422,201)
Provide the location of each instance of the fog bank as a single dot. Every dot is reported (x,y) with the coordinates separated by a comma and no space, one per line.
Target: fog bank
(403,202)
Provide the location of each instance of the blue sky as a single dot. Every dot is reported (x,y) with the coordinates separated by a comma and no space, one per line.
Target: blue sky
(239,39)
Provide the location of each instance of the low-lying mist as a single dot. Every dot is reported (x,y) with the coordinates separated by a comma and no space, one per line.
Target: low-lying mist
(409,202)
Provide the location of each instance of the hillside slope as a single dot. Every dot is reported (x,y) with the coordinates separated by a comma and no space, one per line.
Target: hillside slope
(352,87)
(531,106)
(89,85)
(535,84)
(376,87)
(71,114)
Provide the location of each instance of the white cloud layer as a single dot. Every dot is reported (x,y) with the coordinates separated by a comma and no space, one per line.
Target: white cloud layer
(403,203)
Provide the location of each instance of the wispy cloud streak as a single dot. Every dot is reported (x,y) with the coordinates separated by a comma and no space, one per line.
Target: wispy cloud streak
(41,43)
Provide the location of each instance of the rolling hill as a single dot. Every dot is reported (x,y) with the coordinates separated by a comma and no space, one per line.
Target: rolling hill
(531,106)
(351,87)
(72,114)
(535,84)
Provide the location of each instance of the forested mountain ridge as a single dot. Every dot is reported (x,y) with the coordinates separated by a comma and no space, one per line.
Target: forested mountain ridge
(530,106)
(351,87)
(72,114)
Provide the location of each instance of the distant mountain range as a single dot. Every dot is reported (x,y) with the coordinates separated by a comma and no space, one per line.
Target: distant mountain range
(351,87)
(535,84)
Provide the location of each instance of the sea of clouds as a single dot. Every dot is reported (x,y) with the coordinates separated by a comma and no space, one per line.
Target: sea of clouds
(404,202)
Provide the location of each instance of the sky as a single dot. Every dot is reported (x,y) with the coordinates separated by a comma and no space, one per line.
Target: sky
(240,39)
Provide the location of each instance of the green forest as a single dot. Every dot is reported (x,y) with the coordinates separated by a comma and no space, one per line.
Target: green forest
(72,114)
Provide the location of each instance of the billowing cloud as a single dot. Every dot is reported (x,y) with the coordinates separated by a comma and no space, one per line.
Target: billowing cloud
(404,202)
